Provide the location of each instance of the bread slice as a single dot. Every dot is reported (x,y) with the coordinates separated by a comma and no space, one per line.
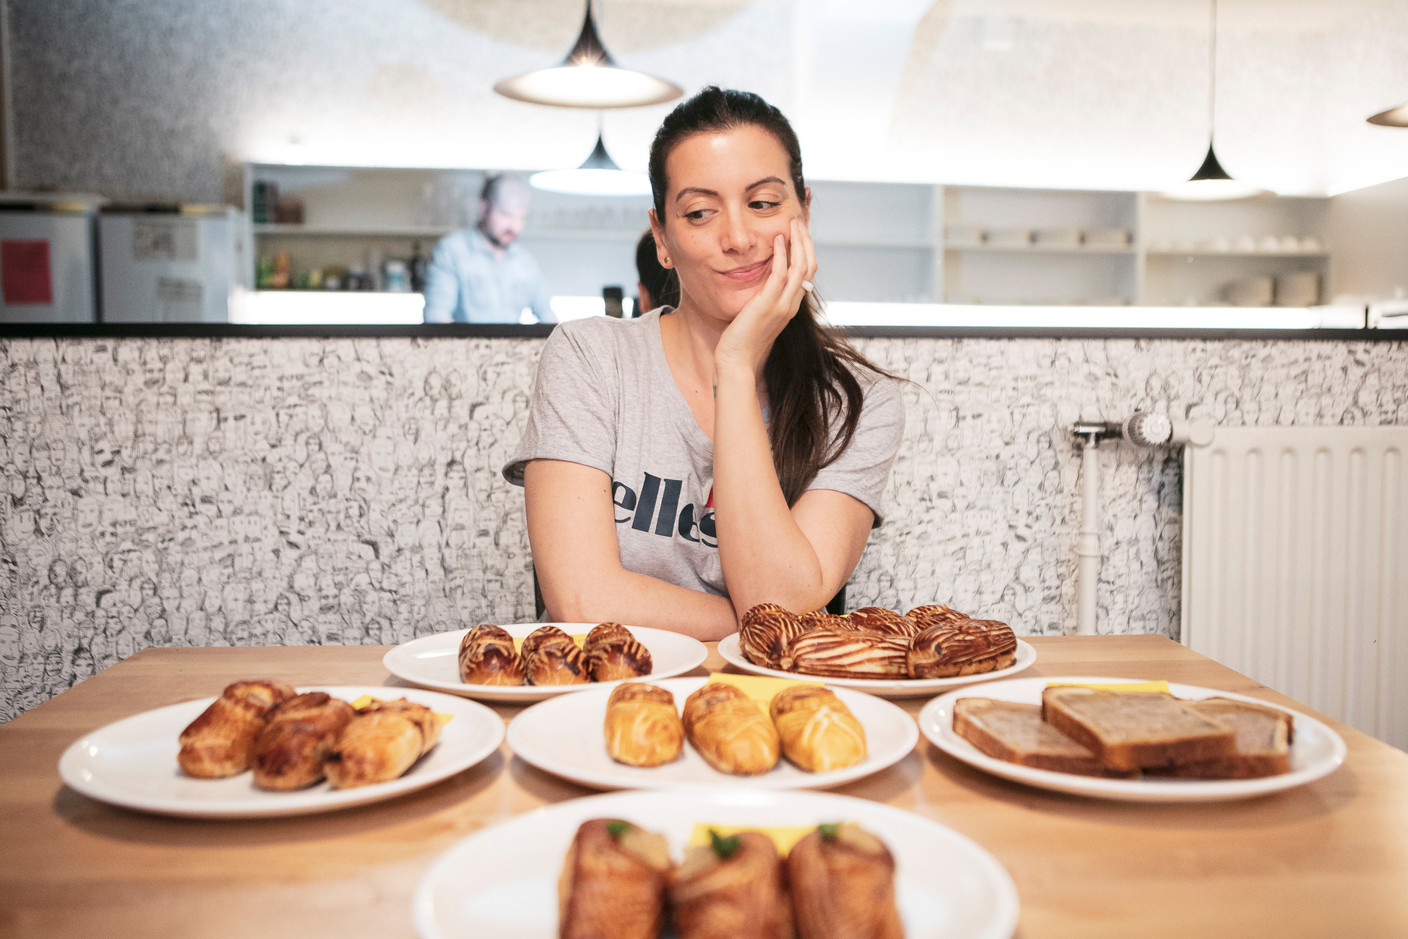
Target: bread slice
(1263,742)
(1132,730)
(1015,732)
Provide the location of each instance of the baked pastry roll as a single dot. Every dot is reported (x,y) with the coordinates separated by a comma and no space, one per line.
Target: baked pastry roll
(821,619)
(220,742)
(933,613)
(818,732)
(877,619)
(550,657)
(613,652)
(613,882)
(733,888)
(383,741)
(642,726)
(290,751)
(947,648)
(730,731)
(843,885)
(850,654)
(487,657)
(765,635)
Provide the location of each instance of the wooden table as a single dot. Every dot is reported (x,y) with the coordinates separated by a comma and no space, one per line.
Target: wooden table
(1327,859)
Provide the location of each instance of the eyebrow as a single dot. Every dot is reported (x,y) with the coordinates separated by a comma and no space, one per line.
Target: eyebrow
(700,191)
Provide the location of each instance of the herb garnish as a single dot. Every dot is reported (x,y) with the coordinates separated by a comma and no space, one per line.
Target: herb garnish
(829,831)
(725,848)
(616,828)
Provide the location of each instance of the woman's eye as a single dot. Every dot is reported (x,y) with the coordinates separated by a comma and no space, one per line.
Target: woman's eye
(763,205)
(697,215)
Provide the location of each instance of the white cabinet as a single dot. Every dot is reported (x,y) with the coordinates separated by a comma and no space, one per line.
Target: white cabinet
(875,242)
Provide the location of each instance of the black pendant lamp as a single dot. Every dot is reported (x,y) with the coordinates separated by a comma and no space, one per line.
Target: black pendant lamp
(588,78)
(597,176)
(1211,182)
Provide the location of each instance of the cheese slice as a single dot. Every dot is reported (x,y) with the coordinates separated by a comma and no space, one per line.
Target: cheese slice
(366,699)
(1156,687)
(761,688)
(784,836)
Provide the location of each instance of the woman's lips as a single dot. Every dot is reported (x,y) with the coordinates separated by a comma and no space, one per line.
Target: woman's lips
(751,272)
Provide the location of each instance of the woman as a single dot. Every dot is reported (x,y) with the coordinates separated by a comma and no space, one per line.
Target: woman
(681,467)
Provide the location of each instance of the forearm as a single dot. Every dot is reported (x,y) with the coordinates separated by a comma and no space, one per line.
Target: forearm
(622,596)
(766,556)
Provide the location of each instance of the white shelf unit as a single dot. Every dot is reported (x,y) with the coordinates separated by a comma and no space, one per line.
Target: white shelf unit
(875,242)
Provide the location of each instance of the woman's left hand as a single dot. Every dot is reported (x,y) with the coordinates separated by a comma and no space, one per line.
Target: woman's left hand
(748,339)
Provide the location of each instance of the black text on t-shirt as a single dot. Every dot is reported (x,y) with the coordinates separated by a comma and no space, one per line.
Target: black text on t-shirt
(657,507)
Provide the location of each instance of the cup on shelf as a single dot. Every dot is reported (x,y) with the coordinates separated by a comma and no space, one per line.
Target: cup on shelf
(1269,244)
(1311,244)
(1244,243)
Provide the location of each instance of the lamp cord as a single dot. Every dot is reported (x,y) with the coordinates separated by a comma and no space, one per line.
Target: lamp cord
(1212,79)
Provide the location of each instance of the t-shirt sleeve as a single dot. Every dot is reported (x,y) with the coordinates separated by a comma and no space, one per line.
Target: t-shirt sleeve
(863,468)
(572,414)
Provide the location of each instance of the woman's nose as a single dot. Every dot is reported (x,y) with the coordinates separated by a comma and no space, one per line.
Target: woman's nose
(737,235)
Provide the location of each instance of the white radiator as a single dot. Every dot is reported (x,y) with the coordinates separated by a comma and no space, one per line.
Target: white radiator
(1295,566)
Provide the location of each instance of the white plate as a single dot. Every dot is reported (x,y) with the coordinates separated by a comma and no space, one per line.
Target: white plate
(433,662)
(132,762)
(885,688)
(565,737)
(1316,750)
(502,881)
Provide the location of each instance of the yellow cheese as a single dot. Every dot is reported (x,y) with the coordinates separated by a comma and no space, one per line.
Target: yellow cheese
(366,699)
(784,836)
(760,688)
(1158,687)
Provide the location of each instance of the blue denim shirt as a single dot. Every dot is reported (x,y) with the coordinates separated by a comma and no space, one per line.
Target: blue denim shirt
(466,283)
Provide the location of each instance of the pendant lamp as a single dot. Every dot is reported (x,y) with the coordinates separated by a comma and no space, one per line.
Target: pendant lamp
(597,176)
(1211,182)
(588,78)
(1393,117)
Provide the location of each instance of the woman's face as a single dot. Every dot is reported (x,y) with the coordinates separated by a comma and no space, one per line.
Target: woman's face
(728,194)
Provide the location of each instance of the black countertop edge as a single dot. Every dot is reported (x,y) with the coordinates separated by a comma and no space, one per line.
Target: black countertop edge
(516,331)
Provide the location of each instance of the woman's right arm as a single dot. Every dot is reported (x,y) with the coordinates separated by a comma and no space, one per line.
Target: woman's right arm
(572,531)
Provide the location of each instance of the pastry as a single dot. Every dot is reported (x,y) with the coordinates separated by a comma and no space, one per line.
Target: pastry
(877,619)
(818,732)
(487,657)
(950,647)
(850,654)
(642,726)
(291,748)
(730,731)
(550,657)
(613,882)
(822,619)
(843,885)
(922,616)
(732,888)
(613,652)
(381,742)
(220,742)
(765,635)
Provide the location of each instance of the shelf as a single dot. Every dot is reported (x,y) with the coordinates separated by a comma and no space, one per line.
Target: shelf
(320,231)
(1209,253)
(1040,249)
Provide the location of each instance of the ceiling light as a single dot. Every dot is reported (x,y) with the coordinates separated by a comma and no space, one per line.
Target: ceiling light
(1211,182)
(588,78)
(1393,117)
(597,176)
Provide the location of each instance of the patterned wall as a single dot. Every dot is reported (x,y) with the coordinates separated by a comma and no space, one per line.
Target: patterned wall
(301,491)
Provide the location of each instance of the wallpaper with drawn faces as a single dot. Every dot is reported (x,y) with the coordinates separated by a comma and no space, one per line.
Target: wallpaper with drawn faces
(172,492)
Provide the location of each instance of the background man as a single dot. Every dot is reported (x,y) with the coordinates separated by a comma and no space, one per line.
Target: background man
(481,274)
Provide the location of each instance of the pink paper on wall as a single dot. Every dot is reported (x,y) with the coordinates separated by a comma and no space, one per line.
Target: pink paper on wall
(25,274)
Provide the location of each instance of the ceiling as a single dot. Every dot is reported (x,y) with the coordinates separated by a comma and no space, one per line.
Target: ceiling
(1102,94)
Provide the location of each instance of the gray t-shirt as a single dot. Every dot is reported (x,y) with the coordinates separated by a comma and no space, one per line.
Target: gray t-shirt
(605,398)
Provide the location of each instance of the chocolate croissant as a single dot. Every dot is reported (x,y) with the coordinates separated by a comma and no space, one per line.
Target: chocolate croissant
(933,614)
(487,657)
(381,743)
(550,657)
(290,751)
(850,654)
(730,731)
(818,732)
(878,619)
(949,648)
(613,652)
(220,742)
(765,635)
(843,885)
(732,888)
(613,882)
(642,726)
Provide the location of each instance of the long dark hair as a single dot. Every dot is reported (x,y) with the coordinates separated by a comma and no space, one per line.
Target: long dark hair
(813,394)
